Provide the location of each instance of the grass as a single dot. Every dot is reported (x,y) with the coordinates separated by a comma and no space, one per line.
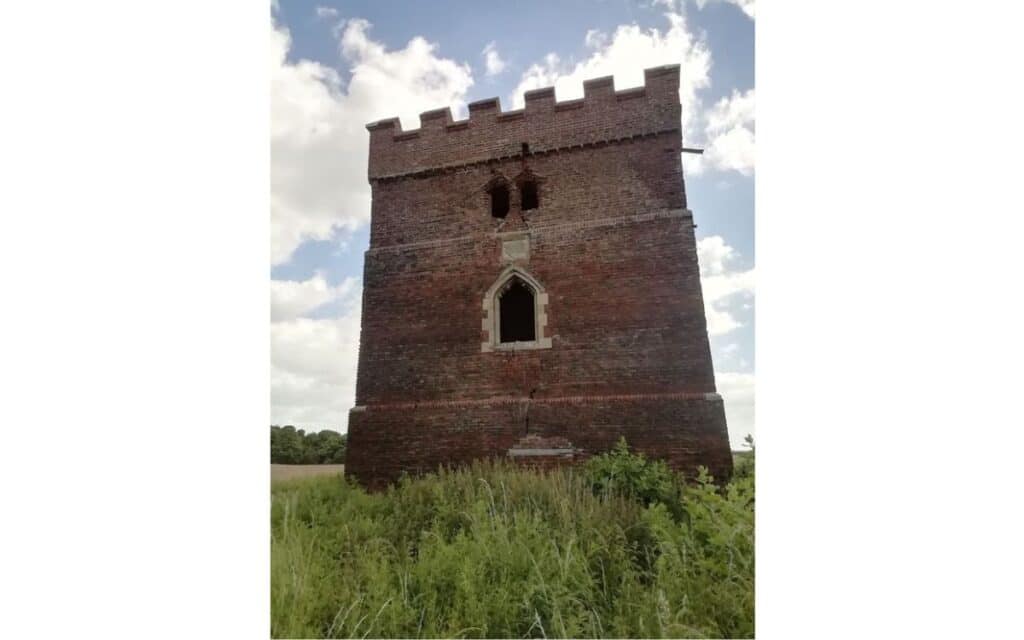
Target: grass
(289,471)
(496,551)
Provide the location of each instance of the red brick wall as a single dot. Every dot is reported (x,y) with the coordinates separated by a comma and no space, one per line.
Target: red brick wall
(611,243)
(609,180)
(388,439)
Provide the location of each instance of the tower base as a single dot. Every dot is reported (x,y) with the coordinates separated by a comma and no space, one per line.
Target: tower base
(686,430)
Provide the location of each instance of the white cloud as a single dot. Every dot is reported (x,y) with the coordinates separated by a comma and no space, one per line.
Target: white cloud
(713,254)
(720,283)
(492,60)
(625,54)
(313,361)
(319,143)
(737,390)
(290,299)
(326,12)
(401,83)
(595,39)
(736,110)
(313,371)
(730,132)
(747,6)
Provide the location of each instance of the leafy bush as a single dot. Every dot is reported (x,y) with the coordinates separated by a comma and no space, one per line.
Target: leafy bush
(497,551)
(632,475)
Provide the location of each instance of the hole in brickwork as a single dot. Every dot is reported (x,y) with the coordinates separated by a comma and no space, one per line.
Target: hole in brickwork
(529,194)
(499,201)
(516,306)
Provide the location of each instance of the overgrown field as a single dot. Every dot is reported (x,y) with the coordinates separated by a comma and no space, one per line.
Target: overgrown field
(618,549)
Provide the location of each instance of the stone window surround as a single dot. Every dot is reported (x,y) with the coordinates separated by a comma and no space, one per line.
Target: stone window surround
(492,319)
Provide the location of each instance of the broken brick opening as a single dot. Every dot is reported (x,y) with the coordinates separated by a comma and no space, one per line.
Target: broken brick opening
(499,200)
(528,191)
(516,313)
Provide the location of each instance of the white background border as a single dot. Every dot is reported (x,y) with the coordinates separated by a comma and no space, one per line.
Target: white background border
(134,256)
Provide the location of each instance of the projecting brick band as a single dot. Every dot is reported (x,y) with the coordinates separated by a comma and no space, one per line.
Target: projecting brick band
(540,227)
(534,153)
(682,395)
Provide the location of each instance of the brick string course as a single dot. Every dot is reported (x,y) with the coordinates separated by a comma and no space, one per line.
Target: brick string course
(613,245)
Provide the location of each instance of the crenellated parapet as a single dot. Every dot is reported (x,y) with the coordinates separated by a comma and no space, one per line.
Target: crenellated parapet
(602,115)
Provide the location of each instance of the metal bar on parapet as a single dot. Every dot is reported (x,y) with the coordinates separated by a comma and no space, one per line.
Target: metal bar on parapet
(692,150)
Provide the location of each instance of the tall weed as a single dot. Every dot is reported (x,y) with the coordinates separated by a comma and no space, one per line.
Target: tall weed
(497,551)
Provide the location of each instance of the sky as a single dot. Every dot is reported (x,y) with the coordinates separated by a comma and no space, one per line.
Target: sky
(336,66)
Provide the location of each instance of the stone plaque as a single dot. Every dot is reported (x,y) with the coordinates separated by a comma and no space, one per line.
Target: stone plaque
(517,250)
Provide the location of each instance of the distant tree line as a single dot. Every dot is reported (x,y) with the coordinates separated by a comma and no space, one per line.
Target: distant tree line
(289,445)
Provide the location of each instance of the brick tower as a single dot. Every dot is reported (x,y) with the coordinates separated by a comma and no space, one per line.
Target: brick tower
(531,289)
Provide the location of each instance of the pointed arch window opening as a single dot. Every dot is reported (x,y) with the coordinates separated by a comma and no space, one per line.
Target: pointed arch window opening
(517,318)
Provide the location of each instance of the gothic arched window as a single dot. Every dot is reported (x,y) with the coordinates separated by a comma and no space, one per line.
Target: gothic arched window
(516,306)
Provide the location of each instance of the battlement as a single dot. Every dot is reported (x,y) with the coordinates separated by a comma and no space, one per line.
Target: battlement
(603,114)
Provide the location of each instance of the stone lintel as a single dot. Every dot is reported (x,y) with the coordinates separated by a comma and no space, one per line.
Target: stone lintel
(541,452)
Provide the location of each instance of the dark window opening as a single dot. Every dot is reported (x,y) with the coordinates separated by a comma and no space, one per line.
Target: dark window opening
(499,201)
(516,314)
(526,149)
(529,193)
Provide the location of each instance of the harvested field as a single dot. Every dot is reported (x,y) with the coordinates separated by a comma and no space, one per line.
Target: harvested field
(289,471)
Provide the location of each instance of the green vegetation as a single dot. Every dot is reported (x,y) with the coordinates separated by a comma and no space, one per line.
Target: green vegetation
(743,461)
(291,446)
(619,548)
